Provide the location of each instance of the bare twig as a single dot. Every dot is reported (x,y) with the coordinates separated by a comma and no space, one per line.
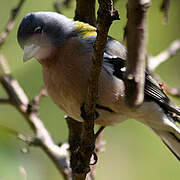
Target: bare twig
(136,43)
(100,131)
(42,93)
(10,24)
(9,130)
(85,11)
(23,172)
(173,91)
(33,105)
(106,14)
(4,101)
(4,66)
(42,137)
(154,62)
(82,143)
(125,34)
(83,148)
(59,5)
(19,100)
(165,8)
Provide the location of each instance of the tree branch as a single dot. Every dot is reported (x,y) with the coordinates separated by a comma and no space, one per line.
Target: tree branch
(19,100)
(173,91)
(165,8)
(136,43)
(85,11)
(4,101)
(82,138)
(59,5)
(106,14)
(42,137)
(154,62)
(11,21)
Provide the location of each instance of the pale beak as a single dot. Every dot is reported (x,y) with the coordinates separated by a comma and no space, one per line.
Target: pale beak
(30,51)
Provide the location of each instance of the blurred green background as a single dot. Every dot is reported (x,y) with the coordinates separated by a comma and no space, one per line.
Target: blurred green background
(132,152)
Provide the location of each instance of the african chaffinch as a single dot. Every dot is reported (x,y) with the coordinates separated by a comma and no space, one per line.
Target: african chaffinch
(64,48)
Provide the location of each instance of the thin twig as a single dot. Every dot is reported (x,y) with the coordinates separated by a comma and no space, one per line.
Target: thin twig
(173,91)
(33,105)
(4,101)
(19,99)
(9,130)
(100,130)
(45,142)
(23,172)
(42,93)
(11,21)
(165,8)
(58,6)
(154,62)
(136,46)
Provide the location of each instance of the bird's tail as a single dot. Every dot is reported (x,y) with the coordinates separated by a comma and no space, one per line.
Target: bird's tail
(171,140)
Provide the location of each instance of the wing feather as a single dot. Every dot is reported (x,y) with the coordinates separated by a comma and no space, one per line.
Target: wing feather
(114,63)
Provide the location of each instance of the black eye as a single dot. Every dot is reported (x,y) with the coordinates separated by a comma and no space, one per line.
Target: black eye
(38,29)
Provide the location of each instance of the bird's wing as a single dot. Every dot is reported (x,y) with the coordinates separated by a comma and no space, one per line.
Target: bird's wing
(115,55)
(152,90)
(115,64)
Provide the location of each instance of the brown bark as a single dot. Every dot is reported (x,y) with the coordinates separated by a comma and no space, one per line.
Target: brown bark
(85,11)
(136,45)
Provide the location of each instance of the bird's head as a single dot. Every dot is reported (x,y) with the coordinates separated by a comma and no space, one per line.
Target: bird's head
(40,33)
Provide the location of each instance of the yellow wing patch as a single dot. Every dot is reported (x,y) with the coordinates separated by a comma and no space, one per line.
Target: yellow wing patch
(85,30)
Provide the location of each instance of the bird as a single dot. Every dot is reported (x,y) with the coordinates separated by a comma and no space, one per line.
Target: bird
(64,48)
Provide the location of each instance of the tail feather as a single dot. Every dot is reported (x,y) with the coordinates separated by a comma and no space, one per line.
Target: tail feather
(171,140)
